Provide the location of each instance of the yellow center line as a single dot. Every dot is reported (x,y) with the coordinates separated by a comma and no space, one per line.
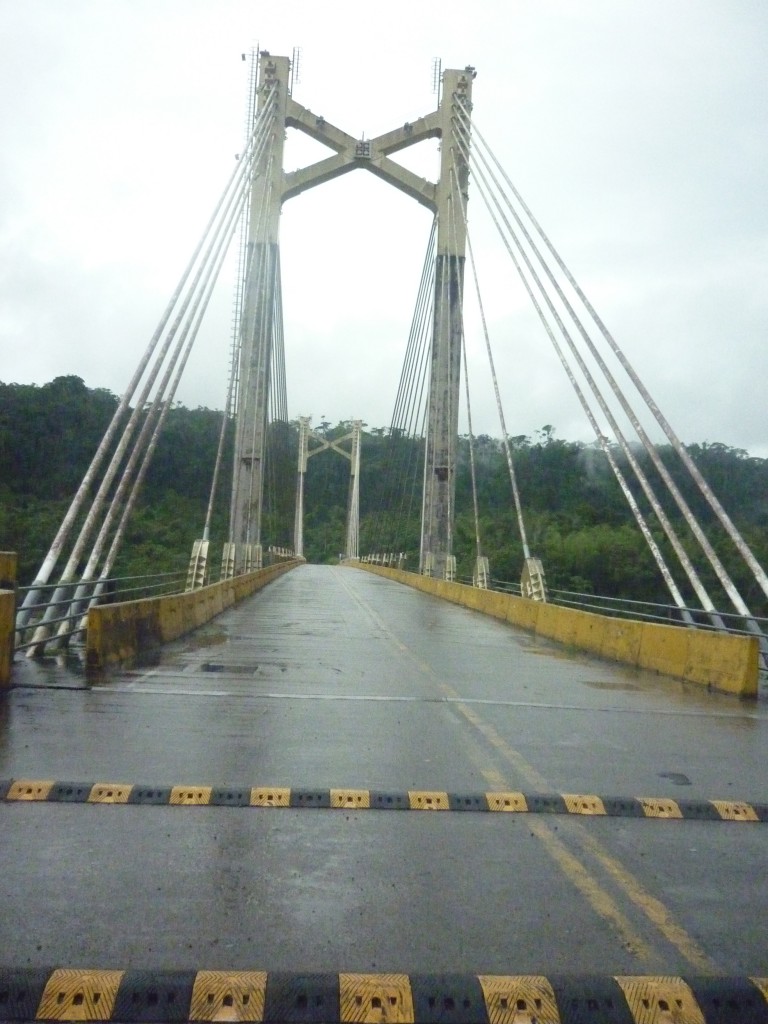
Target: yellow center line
(601,901)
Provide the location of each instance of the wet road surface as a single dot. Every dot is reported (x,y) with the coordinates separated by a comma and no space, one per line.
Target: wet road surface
(334,678)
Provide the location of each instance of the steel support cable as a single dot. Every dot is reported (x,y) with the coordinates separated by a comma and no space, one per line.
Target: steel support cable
(281,348)
(262,318)
(648,490)
(471,450)
(402,416)
(746,552)
(426,283)
(154,418)
(233,202)
(275,453)
(666,525)
(456,192)
(417,432)
(242,387)
(62,534)
(257,329)
(245,384)
(499,407)
(722,574)
(167,405)
(68,576)
(416,425)
(413,393)
(602,441)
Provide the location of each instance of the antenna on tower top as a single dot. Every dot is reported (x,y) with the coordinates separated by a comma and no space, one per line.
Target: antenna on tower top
(437,77)
(295,74)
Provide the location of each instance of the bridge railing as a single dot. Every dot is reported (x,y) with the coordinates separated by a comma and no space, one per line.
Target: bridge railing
(648,611)
(74,604)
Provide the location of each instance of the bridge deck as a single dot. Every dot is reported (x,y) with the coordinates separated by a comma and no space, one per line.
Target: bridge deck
(333,678)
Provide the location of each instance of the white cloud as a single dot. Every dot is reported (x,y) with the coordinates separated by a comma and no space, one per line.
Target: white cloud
(635,131)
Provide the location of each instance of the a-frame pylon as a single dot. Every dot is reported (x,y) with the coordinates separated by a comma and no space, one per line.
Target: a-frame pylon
(446,198)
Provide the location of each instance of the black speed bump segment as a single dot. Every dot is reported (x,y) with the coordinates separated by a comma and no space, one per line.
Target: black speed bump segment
(583,804)
(153,997)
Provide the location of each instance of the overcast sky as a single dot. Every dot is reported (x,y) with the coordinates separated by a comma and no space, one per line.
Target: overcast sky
(636,131)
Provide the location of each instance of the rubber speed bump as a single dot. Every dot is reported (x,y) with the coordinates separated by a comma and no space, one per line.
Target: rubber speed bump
(270,797)
(147,997)
(375,999)
(733,810)
(658,1000)
(448,999)
(228,996)
(577,804)
(653,807)
(351,798)
(305,998)
(659,808)
(80,995)
(514,802)
(196,795)
(519,1000)
(30,789)
(154,996)
(109,793)
(428,800)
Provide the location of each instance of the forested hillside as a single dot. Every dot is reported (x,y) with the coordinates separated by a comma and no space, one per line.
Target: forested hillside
(577,520)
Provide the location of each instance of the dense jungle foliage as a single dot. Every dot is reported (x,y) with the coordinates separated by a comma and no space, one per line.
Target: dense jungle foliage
(577,520)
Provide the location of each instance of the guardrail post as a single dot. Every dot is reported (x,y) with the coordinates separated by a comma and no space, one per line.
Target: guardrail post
(7,614)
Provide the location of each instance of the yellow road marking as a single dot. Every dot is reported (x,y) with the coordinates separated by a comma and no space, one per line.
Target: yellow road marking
(652,908)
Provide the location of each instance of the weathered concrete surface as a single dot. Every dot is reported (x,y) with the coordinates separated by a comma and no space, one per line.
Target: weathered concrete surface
(336,678)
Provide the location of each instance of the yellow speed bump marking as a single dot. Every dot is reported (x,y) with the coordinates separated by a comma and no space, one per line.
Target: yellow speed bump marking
(228,995)
(506,802)
(350,798)
(274,797)
(660,807)
(109,793)
(660,1000)
(30,789)
(762,984)
(375,999)
(579,804)
(191,795)
(79,995)
(733,810)
(428,800)
(519,1000)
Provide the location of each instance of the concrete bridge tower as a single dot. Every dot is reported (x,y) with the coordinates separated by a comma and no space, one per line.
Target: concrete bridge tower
(447,199)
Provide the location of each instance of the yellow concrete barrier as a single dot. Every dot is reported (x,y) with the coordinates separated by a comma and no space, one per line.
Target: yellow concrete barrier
(136,630)
(719,661)
(7,614)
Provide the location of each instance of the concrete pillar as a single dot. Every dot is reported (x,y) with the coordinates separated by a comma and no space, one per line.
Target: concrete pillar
(258,315)
(445,369)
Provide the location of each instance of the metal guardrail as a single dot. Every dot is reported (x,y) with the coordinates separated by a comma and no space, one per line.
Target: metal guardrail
(117,588)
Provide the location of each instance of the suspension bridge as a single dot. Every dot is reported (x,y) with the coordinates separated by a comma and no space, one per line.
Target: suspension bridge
(197,776)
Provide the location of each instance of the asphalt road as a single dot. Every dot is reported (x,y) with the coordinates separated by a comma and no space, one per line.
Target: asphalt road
(332,678)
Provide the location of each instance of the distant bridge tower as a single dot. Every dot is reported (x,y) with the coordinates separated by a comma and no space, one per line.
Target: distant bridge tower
(447,198)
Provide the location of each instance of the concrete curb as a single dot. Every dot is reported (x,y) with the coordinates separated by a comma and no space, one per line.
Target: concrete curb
(720,661)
